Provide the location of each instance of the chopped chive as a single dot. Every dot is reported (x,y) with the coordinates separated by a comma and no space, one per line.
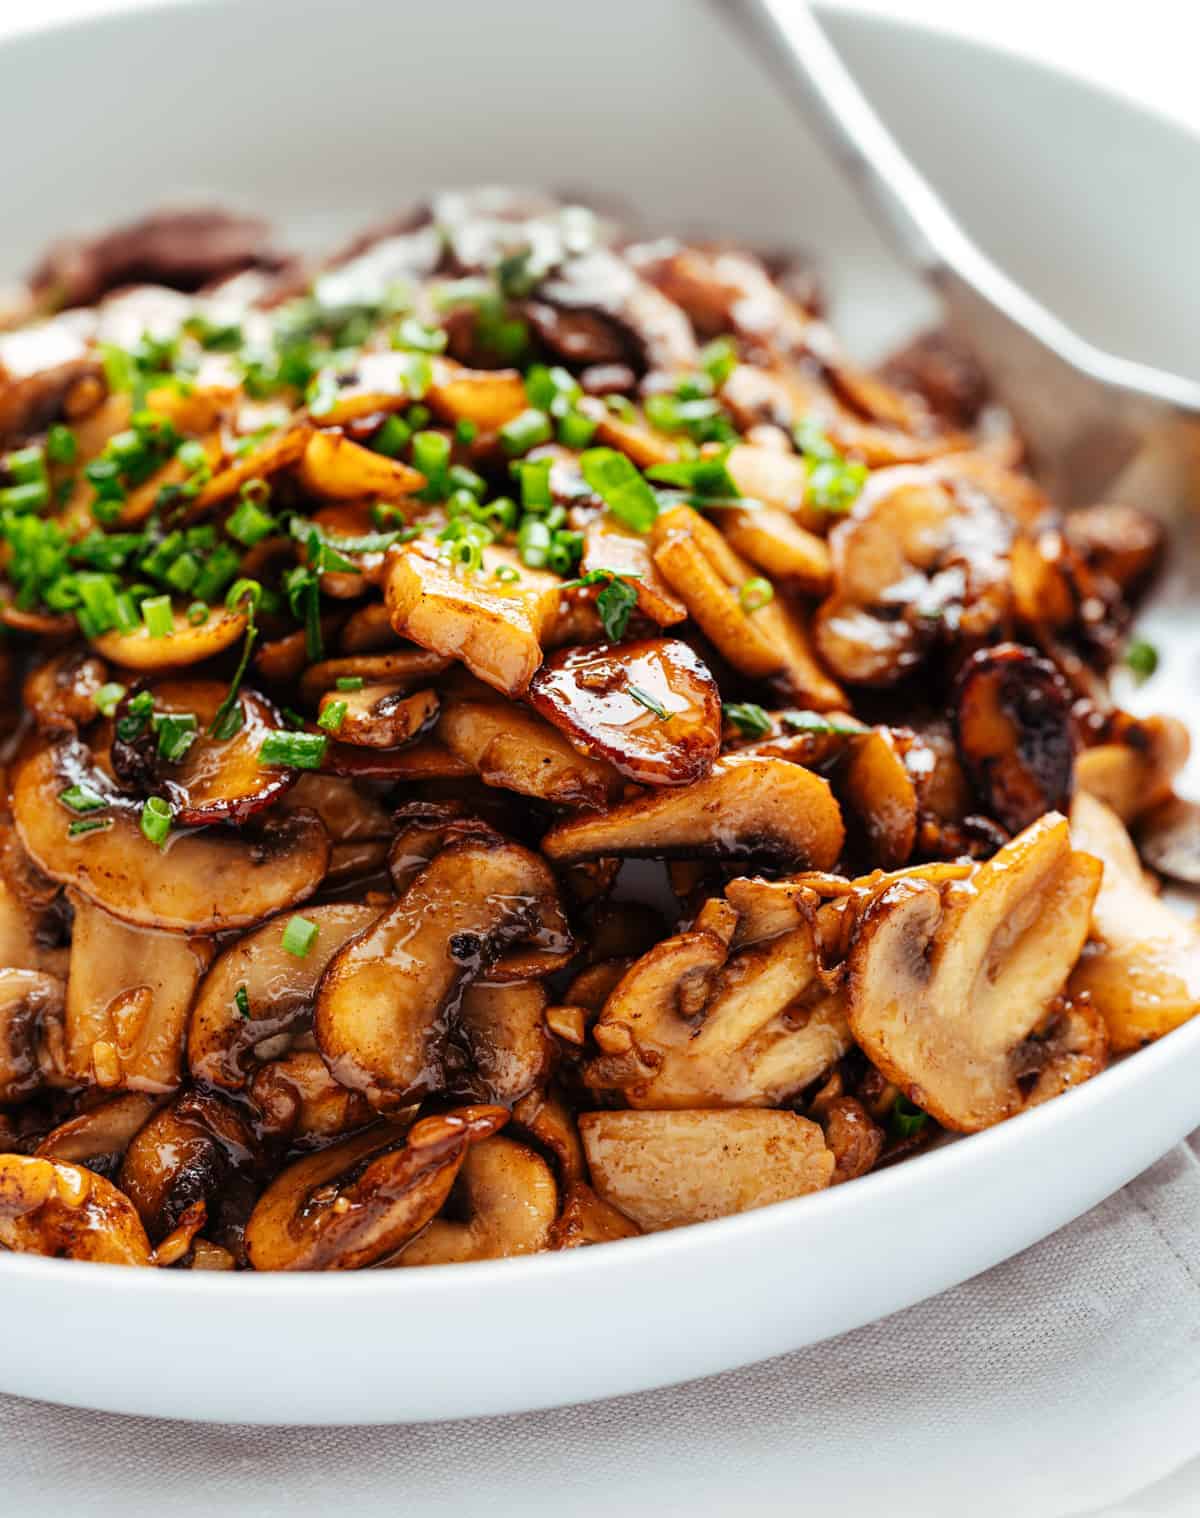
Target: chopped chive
(619,485)
(61,447)
(183,572)
(299,936)
(82,798)
(156,819)
(430,454)
(507,574)
(31,497)
(525,431)
(906,1118)
(615,605)
(248,523)
(176,734)
(241,1000)
(816,722)
(750,720)
(88,825)
(156,613)
(391,438)
(575,430)
(107,698)
(755,593)
(197,614)
(719,359)
(643,698)
(299,751)
(1141,658)
(333,714)
(26,465)
(137,714)
(465,431)
(350,682)
(533,542)
(534,476)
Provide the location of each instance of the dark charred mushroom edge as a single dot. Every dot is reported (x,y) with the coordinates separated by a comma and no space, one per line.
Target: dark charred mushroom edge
(363,621)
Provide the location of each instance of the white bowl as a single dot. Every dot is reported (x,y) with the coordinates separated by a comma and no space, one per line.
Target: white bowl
(321,115)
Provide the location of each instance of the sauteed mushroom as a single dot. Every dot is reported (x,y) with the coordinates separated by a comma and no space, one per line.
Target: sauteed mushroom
(31,1032)
(53,1208)
(509,1200)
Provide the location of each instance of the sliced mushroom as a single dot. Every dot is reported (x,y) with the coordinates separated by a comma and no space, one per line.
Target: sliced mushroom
(1132,768)
(510,1202)
(359,1201)
(1121,542)
(217,779)
(854,1138)
(39,366)
(60,694)
(427,759)
(99,1137)
(1013,720)
(199,883)
(31,1033)
(1168,839)
(608,545)
(404,668)
(585,1220)
(53,1208)
(129,996)
(668,1169)
(32,927)
(503,1028)
(1142,968)
(1071,1048)
(487,397)
(769,642)
(912,554)
(947,982)
(198,1149)
(388,999)
(545,1118)
(348,813)
(382,716)
(693,1025)
(299,1101)
(514,749)
(790,554)
(882,796)
(745,806)
(278,452)
(494,626)
(184,644)
(333,466)
(280,988)
(652,709)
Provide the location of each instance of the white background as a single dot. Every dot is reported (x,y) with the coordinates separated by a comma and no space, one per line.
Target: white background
(1146,50)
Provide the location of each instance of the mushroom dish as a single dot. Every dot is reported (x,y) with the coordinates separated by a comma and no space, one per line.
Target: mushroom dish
(513,741)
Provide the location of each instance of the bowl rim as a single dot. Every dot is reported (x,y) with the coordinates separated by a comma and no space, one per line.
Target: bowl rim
(921,1173)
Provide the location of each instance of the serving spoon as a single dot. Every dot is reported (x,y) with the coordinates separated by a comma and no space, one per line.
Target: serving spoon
(1097,426)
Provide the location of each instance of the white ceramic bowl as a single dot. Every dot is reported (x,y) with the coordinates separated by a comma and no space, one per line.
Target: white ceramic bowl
(321,115)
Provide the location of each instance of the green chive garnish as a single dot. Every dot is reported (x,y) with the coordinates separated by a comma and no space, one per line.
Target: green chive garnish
(298,751)
(156,819)
(333,714)
(156,613)
(299,936)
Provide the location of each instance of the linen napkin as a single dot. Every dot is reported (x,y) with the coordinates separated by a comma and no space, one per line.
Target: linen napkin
(1057,1383)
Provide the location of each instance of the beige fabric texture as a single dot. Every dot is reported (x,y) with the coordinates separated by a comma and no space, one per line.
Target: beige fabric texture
(1056,1384)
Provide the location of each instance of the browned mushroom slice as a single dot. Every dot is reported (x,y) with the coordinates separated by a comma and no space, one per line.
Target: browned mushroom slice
(780,480)
(39,364)
(349,813)
(1132,768)
(1013,718)
(668,1169)
(427,759)
(607,545)
(851,1134)
(946,983)
(502,1026)
(279,451)
(215,780)
(745,806)
(298,1100)
(769,641)
(1168,839)
(258,995)
(389,996)
(403,667)
(99,1137)
(197,1149)
(651,708)
(368,630)
(881,794)
(493,625)
(381,716)
(201,882)
(140,503)
(910,550)
(341,470)
(1142,968)
(53,1208)
(359,1201)
(693,1025)
(61,693)
(585,1220)
(514,749)
(1121,542)
(487,397)
(509,1199)
(1071,1048)
(31,922)
(31,1032)
(790,554)
(377,383)
(184,644)
(128,998)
